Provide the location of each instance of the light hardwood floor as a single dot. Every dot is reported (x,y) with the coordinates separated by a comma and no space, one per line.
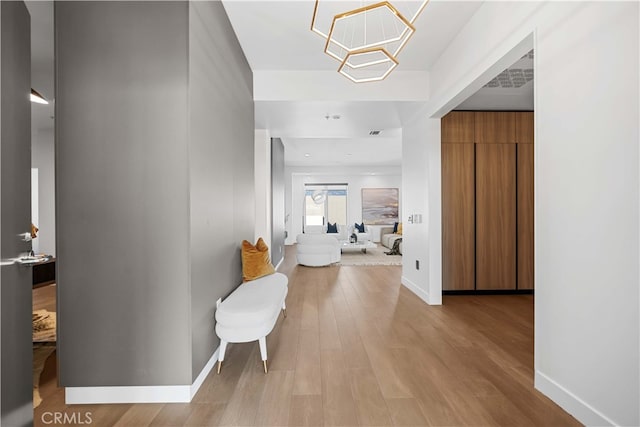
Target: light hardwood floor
(357,348)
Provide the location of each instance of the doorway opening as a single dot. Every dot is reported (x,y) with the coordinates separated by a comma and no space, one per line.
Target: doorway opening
(44,286)
(487,186)
(487,170)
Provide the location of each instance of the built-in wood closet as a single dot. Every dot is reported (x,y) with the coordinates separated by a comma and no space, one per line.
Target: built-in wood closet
(487,201)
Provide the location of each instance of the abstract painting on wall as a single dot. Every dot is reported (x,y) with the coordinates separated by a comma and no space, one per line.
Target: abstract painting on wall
(379,205)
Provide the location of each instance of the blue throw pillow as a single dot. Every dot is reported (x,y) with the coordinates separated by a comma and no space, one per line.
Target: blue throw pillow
(332,228)
(360,227)
(395,227)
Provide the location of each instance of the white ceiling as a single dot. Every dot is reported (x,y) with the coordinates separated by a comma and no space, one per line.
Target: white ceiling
(353,119)
(276,35)
(369,151)
(305,129)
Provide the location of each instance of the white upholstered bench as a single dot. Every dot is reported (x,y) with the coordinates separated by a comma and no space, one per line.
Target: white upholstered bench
(250,312)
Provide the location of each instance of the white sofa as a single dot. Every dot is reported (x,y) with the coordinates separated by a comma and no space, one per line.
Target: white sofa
(316,250)
(342,234)
(388,237)
(315,229)
(366,236)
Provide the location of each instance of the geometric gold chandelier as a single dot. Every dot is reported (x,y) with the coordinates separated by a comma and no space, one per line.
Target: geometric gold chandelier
(366,40)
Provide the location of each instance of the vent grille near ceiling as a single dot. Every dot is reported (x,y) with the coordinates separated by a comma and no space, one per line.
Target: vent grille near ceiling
(512,77)
(374,132)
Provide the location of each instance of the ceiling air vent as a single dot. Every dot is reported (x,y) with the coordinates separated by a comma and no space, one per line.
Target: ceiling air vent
(374,132)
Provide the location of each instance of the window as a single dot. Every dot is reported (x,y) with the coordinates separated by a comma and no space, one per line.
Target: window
(325,203)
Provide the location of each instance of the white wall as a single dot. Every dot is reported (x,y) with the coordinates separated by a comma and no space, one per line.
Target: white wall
(262,175)
(356,177)
(277,85)
(42,158)
(421,194)
(587,212)
(587,188)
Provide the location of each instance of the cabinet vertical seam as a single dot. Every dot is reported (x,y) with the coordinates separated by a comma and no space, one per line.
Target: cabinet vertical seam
(517,219)
(475,215)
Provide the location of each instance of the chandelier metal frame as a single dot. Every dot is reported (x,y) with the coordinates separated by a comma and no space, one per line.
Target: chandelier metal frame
(387,47)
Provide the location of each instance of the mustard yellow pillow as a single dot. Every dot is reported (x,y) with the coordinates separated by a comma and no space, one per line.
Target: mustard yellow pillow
(34,231)
(399,229)
(255,260)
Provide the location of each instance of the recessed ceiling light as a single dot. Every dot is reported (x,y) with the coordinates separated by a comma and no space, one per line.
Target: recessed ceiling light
(307,155)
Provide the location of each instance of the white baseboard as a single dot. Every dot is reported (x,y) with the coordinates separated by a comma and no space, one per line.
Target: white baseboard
(140,394)
(423,295)
(204,373)
(127,394)
(280,263)
(571,403)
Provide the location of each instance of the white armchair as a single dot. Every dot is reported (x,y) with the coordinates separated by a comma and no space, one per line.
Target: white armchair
(343,232)
(315,250)
(362,237)
(315,229)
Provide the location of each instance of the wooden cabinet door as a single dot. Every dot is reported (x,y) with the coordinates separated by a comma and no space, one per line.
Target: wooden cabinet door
(495,127)
(458,217)
(524,127)
(525,216)
(457,127)
(495,216)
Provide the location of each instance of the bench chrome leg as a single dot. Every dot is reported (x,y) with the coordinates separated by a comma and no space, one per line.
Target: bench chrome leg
(284,309)
(223,349)
(263,352)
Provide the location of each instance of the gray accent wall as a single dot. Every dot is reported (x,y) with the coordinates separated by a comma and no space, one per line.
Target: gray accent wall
(277,200)
(221,143)
(122,193)
(16,371)
(155,187)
